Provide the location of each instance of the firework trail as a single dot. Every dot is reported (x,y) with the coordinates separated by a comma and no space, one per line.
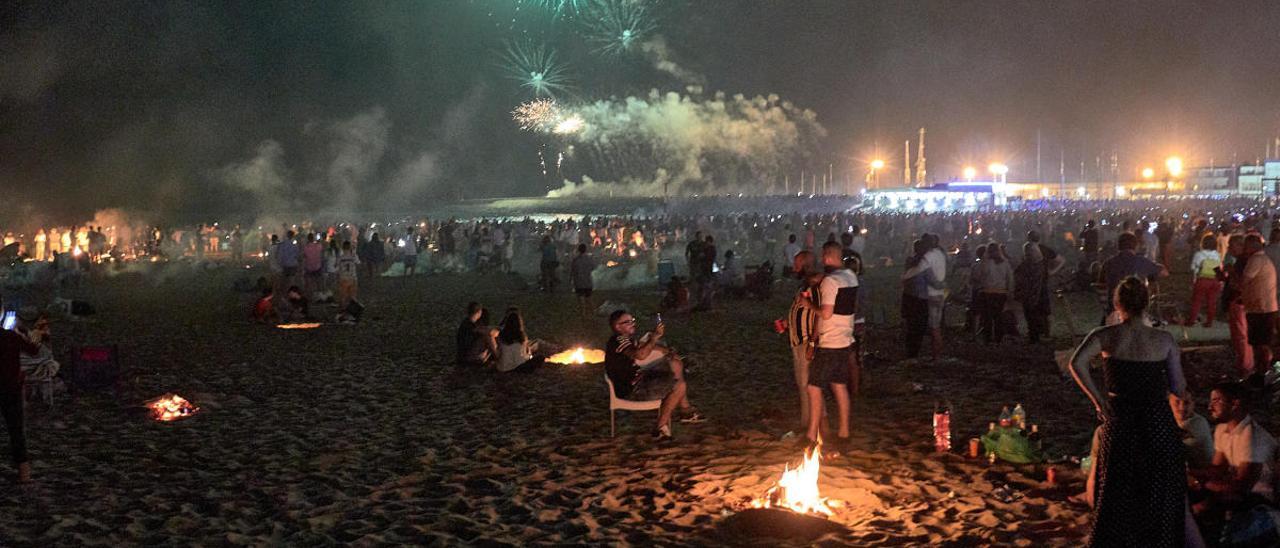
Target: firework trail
(616,27)
(558,8)
(536,69)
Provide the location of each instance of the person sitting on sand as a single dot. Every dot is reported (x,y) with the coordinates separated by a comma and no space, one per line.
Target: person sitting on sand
(480,345)
(676,300)
(466,335)
(1240,476)
(515,350)
(643,370)
(264,310)
(297,303)
(1197,435)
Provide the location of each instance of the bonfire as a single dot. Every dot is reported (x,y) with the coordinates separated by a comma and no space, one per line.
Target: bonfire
(797,489)
(171,407)
(298,325)
(577,356)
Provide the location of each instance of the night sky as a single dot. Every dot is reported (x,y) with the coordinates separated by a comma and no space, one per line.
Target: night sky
(152,106)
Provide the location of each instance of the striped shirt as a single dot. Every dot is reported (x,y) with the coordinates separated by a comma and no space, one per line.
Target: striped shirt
(801,320)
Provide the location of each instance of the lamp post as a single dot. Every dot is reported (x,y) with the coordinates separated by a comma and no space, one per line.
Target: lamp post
(1000,170)
(873,175)
(969,173)
(1173,165)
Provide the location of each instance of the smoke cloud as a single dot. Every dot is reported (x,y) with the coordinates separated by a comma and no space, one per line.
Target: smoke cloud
(685,144)
(663,59)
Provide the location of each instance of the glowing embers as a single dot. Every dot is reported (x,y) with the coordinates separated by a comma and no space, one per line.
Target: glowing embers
(298,325)
(797,489)
(171,407)
(579,355)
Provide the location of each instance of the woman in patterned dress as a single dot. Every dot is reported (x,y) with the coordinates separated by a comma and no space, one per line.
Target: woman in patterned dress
(1140,497)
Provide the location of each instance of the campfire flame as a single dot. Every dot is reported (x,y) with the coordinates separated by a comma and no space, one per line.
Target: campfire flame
(170,407)
(298,325)
(797,489)
(578,356)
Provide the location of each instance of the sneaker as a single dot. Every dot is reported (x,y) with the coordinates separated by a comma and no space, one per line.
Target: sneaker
(693,418)
(662,434)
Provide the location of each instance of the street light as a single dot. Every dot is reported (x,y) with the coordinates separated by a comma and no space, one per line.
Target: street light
(969,173)
(872,174)
(1174,164)
(999,170)
(1148,173)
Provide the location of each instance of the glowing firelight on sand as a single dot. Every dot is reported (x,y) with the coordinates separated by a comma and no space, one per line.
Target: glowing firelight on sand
(797,489)
(298,325)
(171,407)
(578,356)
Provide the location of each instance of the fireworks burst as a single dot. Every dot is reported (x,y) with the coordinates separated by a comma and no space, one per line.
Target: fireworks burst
(615,27)
(536,68)
(568,125)
(538,115)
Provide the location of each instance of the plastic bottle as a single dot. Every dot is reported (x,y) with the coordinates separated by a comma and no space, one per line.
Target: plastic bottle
(942,427)
(1006,419)
(1037,440)
(1019,417)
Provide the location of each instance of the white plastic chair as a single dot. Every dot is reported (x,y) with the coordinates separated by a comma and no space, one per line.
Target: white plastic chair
(616,403)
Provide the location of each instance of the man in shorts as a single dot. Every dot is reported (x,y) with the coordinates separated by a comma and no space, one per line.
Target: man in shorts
(643,370)
(838,297)
(1258,294)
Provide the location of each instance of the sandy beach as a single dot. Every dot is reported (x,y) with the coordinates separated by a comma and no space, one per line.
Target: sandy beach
(370,435)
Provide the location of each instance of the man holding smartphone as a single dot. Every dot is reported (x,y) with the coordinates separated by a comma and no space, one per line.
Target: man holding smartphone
(643,370)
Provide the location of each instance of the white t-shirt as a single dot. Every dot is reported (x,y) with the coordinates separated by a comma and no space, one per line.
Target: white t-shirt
(938,263)
(789,252)
(510,356)
(347,267)
(837,289)
(1248,443)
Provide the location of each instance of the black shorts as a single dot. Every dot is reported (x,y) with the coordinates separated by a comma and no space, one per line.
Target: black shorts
(583,291)
(830,366)
(1262,327)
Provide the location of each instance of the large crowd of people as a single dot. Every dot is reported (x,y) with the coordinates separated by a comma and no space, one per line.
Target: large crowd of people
(1156,463)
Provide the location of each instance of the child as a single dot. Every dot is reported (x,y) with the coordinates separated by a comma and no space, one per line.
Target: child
(264,310)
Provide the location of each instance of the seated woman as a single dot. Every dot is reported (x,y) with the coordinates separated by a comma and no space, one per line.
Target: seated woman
(515,350)
(264,309)
(39,366)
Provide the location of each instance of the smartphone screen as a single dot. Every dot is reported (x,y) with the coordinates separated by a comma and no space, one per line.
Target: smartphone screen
(10,320)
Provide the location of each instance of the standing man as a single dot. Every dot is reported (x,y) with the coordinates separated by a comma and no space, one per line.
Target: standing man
(580,269)
(838,297)
(1164,239)
(409,248)
(1126,263)
(1237,319)
(789,252)
(693,257)
(12,393)
(936,261)
(1089,243)
(290,256)
(1258,294)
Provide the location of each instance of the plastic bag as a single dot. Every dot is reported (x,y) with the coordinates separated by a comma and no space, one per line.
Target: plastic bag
(1010,445)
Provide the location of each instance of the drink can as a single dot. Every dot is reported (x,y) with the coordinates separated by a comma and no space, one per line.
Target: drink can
(780,325)
(1051,475)
(974,445)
